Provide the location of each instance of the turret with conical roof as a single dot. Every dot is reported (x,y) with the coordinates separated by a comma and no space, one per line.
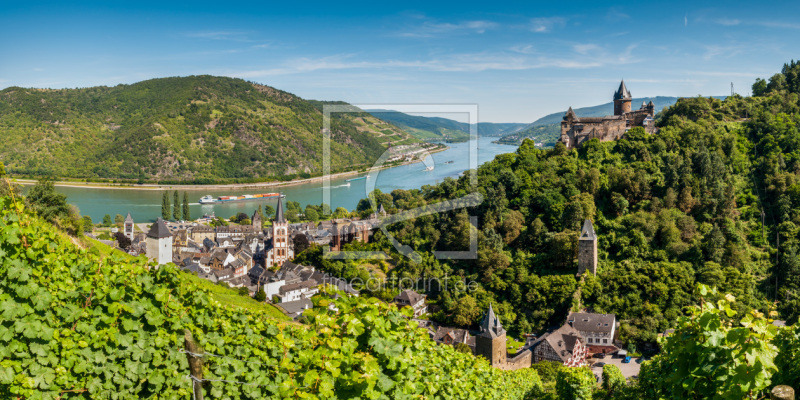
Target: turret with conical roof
(622,100)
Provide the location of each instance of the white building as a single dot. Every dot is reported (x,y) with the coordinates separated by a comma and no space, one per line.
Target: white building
(159,243)
(297,291)
(129,227)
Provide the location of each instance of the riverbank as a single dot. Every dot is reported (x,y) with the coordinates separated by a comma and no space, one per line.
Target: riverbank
(223,186)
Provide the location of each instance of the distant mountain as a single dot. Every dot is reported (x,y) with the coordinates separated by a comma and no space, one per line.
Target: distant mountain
(437,128)
(547,129)
(198,129)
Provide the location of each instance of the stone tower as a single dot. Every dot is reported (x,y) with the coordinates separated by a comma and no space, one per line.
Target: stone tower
(159,243)
(280,235)
(491,341)
(256,220)
(128,227)
(622,100)
(587,249)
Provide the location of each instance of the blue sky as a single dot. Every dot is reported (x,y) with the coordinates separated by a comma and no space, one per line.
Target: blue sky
(518,61)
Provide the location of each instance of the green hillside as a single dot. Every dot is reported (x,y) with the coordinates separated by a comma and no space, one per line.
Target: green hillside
(548,128)
(189,129)
(438,128)
(74,325)
(671,210)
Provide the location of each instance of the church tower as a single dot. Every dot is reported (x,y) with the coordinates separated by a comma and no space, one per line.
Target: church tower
(491,341)
(128,227)
(280,236)
(587,249)
(622,100)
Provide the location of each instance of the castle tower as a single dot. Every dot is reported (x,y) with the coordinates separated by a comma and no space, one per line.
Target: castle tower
(491,341)
(622,100)
(128,227)
(280,236)
(256,220)
(587,249)
(159,243)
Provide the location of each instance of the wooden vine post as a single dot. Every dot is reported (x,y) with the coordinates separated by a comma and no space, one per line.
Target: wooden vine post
(195,364)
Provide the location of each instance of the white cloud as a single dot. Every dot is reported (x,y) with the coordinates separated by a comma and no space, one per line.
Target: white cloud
(543,25)
(728,22)
(432,29)
(522,49)
(466,62)
(713,51)
(230,35)
(585,48)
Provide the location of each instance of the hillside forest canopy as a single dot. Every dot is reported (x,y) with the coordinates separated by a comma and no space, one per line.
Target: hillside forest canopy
(712,199)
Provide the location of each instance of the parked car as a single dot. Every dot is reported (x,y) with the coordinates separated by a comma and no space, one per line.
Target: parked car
(627,360)
(640,360)
(600,355)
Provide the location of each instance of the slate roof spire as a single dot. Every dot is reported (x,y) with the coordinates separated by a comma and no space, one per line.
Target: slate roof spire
(128,219)
(490,325)
(622,93)
(279,218)
(587,232)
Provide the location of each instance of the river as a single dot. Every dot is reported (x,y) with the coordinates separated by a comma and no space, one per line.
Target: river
(145,205)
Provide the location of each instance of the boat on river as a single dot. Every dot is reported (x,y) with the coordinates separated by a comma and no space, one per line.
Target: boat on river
(208,199)
(356,179)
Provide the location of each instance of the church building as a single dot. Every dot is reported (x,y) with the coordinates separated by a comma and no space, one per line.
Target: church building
(281,249)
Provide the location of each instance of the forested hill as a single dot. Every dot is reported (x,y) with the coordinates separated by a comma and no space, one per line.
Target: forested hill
(671,210)
(438,128)
(184,129)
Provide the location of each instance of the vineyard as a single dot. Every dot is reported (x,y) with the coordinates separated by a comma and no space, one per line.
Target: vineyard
(75,325)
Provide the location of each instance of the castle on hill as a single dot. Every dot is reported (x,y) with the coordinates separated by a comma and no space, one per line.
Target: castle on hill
(576,130)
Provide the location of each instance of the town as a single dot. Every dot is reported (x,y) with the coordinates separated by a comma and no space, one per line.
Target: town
(260,261)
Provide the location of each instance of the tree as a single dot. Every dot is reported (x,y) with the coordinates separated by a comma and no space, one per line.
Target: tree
(119,219)
(613,380)
(466,311)
(165,206)
(46,202)
(759,87)
(176,206)
(87,223)
(107,220)
(122,241)
(575,383)
(311,214)
(462,348)
(268,212)
(244,291)
(300,243)
(185,209)
(260,295)
(341,212)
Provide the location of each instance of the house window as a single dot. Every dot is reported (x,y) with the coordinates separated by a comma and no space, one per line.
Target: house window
(590,340)
(605,340)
